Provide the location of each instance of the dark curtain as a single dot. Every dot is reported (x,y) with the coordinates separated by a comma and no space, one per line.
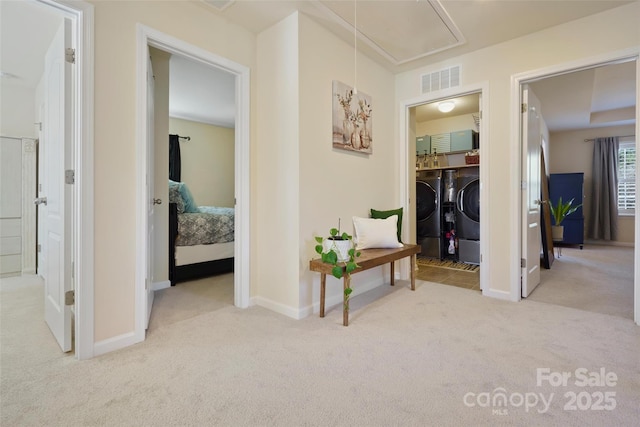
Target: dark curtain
(174,158)
(603,220)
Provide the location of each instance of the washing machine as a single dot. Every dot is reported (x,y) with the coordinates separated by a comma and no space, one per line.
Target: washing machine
(428,196)
(468,215)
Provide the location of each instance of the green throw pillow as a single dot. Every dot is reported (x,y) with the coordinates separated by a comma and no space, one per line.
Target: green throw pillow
(386,214)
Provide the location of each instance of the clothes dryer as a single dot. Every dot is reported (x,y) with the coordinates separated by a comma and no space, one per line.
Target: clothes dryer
(468,215)
(428,212)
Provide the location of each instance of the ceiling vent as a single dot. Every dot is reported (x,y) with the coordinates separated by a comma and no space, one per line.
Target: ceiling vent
(219,4)
(442,79)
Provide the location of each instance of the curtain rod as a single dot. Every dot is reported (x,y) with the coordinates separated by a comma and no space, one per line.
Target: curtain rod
(188,138)
(621,136)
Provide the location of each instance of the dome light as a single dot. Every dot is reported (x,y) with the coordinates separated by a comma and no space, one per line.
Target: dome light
(446,106)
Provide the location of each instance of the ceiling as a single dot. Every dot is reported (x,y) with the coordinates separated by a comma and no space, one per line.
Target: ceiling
(399,35)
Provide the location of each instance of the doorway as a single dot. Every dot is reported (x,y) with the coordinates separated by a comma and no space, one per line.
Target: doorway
(194,147)
(447,189)
(78,264)
(569,150)
(147,38)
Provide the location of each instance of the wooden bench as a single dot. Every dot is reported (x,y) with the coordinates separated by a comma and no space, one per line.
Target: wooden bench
(369,258)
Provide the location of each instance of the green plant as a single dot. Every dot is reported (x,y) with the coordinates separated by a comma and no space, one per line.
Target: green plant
(561,210)
(330,256)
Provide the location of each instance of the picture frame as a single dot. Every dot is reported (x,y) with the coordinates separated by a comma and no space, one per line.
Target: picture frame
(352,119)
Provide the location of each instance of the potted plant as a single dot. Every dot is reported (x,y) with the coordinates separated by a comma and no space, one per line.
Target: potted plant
(560,211)
(335,249)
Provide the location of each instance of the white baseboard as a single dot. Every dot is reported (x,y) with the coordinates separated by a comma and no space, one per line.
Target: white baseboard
(114,343)
(503,295)
(161,285)
(338,299)
(277,307)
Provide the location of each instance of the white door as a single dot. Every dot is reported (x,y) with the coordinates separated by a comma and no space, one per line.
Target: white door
(42,208)
(58,137)
(531,234)
(151,201)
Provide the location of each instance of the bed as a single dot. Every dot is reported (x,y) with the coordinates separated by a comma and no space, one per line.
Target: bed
(201,238)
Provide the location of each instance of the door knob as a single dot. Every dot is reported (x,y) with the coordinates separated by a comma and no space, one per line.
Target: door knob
(157,201)
(40,201)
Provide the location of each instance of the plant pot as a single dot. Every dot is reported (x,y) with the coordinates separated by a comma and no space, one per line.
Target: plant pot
(341,248)
(557,233)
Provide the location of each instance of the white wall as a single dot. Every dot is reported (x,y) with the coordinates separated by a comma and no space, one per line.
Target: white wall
(577,40)
(304,184)
(115,136)
(277,187)
(570,153)
(207,161)
(18,110)
(337,184)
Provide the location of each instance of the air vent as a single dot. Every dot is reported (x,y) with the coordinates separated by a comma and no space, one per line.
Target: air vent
(442,79)
(219,4)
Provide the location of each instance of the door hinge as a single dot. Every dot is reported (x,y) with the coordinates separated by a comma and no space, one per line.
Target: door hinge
(524,107)
(70,55)
(69,298)
(69,176)
(523,263)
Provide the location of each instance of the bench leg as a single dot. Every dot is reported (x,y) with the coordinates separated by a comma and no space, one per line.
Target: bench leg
(393,275)
(413,272)
(345,304)
(323,283)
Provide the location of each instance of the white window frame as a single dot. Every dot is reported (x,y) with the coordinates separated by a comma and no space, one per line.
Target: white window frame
(627,143)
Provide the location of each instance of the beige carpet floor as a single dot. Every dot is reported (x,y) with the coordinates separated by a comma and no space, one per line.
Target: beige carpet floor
(597,278)
(437,356)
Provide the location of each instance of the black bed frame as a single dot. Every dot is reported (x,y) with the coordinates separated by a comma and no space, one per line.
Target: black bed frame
(183,273)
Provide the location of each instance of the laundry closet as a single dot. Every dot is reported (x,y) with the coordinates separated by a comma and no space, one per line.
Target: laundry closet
(448,180)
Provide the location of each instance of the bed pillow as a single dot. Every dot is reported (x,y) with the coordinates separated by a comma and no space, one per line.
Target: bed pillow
(175,196)
(376,233)
(386,214)
(190,205)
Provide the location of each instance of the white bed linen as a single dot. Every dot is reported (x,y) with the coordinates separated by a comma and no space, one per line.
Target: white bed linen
(201,253)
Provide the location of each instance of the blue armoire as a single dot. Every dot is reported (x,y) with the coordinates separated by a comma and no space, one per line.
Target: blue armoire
(569,186)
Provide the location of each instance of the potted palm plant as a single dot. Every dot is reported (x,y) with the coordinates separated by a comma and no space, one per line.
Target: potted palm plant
(559,212)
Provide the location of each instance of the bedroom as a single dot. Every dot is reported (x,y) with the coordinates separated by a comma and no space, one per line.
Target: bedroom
(200,107)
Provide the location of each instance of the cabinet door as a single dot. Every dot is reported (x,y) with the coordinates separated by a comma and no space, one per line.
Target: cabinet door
(462,140)
(573,231)
(423,145)
(441,143)
(569,186)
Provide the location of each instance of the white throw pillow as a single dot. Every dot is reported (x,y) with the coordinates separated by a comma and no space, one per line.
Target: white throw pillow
(376,233)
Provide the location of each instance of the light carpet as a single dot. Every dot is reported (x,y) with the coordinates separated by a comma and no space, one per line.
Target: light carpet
(597,278)
(428,357)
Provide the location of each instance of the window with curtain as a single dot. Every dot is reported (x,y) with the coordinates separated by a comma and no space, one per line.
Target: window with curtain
(627,177)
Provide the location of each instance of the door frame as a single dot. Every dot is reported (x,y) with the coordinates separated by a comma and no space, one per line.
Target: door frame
(147,36)
(517,216)
(408,175)
(82,228)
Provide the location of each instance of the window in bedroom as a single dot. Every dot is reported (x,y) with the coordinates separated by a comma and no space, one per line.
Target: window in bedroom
(627,177)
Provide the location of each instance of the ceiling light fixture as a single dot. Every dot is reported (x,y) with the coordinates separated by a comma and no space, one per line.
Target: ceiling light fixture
(446,106)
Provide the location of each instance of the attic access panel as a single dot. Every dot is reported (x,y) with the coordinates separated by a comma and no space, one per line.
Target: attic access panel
(387,25)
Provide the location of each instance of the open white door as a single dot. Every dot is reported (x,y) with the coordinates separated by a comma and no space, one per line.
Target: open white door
(531,232)
(57,195)
(151,200)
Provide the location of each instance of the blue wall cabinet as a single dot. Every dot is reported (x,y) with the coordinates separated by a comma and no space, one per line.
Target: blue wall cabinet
(569,186)
(423,145)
